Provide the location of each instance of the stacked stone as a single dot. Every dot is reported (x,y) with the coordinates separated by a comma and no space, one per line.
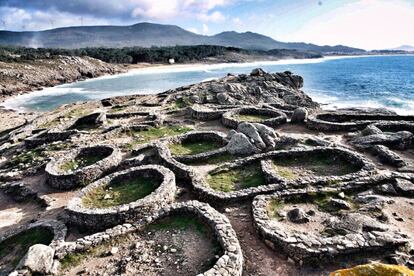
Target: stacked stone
(230,263)
(39,259)
(364,166)
(196,136)
(209,112)
(315,248)
(68,180)
(355,120)
(278,117)
(47,137)
(101,218)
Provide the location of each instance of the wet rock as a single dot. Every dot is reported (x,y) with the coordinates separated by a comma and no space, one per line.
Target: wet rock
(299,115)
(38,259)
(257,72)
(297,215)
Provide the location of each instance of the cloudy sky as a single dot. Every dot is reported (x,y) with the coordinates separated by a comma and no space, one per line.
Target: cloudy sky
(369,24)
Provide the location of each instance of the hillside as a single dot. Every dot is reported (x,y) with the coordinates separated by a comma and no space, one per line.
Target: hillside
(147,35)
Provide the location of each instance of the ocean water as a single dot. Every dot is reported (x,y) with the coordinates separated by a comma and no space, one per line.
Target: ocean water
(372,81)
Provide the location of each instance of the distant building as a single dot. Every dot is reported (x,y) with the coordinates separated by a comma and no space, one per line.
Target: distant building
(171,61)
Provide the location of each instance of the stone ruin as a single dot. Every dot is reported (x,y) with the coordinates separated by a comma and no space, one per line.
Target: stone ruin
(322,186)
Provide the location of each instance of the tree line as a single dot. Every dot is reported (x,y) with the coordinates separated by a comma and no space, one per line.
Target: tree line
(131,55)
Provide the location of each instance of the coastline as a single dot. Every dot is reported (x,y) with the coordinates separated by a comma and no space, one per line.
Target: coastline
(11,113)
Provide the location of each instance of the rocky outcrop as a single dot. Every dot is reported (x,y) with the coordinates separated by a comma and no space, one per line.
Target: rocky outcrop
(25,76)
(252,138)
(258,87)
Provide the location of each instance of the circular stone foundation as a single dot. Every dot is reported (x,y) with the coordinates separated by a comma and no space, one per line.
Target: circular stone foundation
(321,165)
(15,244)
(301,224)
(229,263)
(124,196)
(264,116)
(197,146)
(351,121)
(80,167)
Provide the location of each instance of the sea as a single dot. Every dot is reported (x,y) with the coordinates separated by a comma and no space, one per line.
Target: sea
(335,82)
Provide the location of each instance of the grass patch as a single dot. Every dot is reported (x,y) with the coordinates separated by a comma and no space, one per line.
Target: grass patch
(24,158)
(273,206)
(293,168)
(285,172)
(225,157)
(77,112)
(190,148)
(80,162)
(252,117)
(14,248)
(120,193)
(154,133)
(179,223)
(236,179)
(182,102)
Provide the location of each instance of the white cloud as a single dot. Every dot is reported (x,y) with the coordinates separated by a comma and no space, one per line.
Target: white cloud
(370,24)
(193,30)
(205,29)
(40,20)
(213,17)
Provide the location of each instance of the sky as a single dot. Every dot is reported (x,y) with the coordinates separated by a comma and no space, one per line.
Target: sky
(368,24)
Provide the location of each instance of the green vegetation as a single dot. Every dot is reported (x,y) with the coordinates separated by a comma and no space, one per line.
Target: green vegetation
(120,193)
(273,206)
(15,247)
(80,162)
(183,102)
(154,133)
(293,168)
(76,112)
(190,148)
(179,223)
(133,55)
(25,158)
(252,117)
(236,179)
(225,157)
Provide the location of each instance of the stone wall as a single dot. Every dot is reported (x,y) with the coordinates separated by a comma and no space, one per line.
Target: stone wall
(80,177)
(102,218)
(230,263)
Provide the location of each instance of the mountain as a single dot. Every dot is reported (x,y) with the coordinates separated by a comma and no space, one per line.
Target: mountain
(407,48)
(149,34)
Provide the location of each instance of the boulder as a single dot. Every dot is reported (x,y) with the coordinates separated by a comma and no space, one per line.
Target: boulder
(338,204)
(38,259)
(257,72)
(299,115)
(386,156)
(297,215)
(252,133)
(398,140)
(240,144)
(370,130)
(405,187)
(268,135)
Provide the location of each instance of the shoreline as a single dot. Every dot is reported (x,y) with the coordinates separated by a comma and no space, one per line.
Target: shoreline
(157,68)
(148,68)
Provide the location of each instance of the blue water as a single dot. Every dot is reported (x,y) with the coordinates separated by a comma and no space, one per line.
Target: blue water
(375,81)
